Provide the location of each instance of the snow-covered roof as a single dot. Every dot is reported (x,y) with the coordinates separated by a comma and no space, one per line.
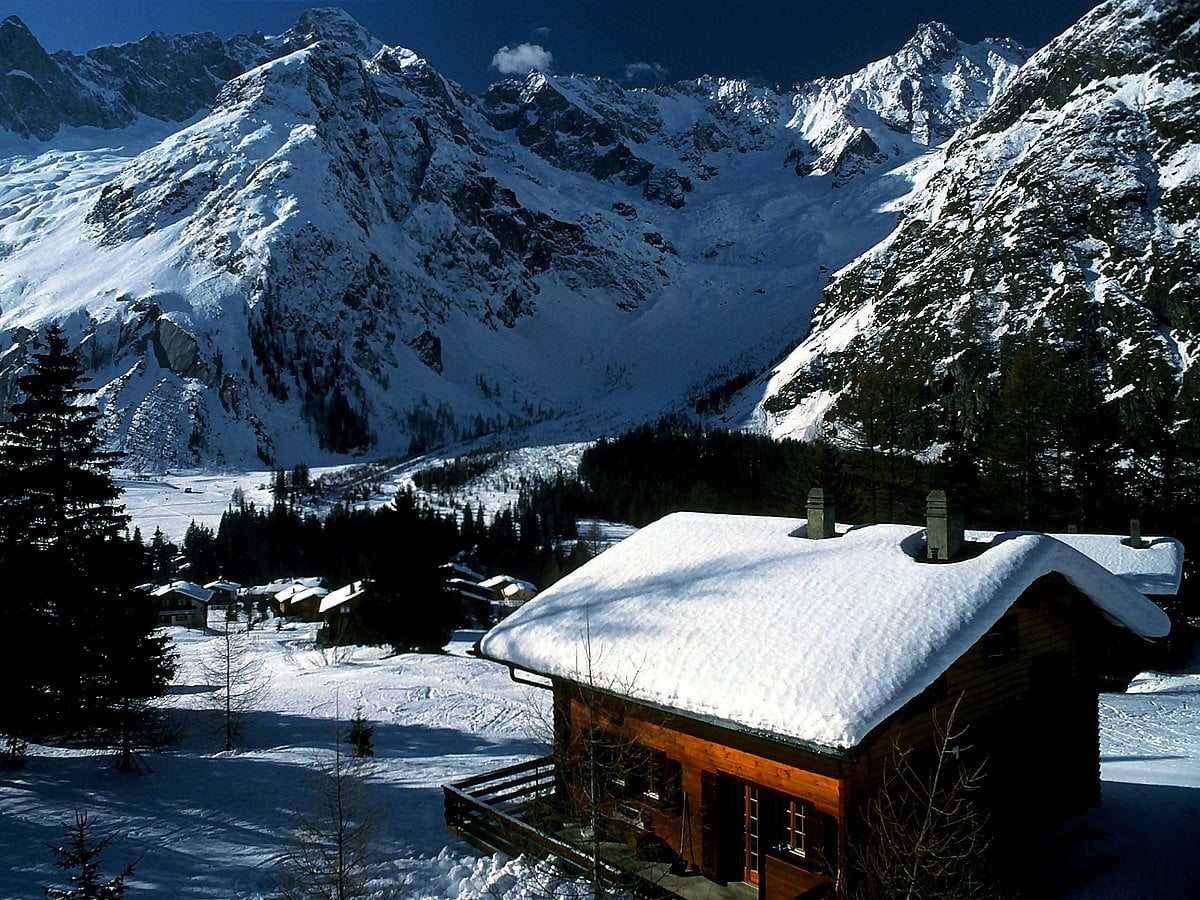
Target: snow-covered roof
(520,590)
(508,586)
(301,594)
(461,571)
(184,588)
(1154,569)
(342,595)
(285,590)
(741,620)
(231,586)
(468,588)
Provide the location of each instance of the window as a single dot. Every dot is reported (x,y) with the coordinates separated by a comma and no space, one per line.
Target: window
(642,774)
(664,781)
(1000,642)
(801,834)
(795,827)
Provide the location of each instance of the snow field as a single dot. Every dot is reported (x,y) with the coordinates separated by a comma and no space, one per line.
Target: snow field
(209,824)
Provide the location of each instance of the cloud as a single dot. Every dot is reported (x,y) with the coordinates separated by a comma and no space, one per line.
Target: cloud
(542,29)
(520,59)
(645,72)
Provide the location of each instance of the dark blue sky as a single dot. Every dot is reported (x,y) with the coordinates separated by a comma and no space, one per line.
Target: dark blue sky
(768,40)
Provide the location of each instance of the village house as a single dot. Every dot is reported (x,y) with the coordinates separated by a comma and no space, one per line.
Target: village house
(182,603)
(337,612)
(225,593)
(301,599)
(507,594)
(753,677)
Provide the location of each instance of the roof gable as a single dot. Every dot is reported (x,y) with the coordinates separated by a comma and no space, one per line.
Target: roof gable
(736,619)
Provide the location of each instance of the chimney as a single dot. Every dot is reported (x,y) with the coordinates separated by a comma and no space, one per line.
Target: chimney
(943,526)
(820,515)
(1135,535)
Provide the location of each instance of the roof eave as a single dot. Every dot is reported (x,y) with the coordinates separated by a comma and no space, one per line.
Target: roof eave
(839,754)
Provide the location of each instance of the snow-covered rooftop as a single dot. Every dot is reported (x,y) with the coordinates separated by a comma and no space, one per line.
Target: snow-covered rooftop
(301,594)
(509,586)
(342,595)
(1154,569)
(285,590)
(739,619)
(185,589)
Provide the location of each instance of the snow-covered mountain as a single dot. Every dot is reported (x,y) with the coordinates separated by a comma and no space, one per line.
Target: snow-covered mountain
(341,251)
(1071,206)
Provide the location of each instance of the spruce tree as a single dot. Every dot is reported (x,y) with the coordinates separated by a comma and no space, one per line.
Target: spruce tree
(67,561)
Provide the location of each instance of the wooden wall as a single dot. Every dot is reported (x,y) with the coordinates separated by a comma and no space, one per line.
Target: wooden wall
(706,753)
(1029,712)
(1030,718)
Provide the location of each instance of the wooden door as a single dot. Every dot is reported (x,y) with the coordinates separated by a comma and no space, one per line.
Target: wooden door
(751,832)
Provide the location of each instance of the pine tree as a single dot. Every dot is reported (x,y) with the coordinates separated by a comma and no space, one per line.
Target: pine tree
(55,476)
(82,853)
(67,562)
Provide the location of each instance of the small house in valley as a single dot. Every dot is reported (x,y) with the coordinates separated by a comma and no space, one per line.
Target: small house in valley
(225,593)
(182,603)
(302,599)
(508,594)
(338,612)
(750,678)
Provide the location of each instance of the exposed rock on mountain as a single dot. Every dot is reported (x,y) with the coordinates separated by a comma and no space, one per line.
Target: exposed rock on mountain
(1069,209)
(163,76)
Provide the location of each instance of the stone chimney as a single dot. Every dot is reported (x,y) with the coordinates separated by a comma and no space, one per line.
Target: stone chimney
(944,526)
(820,515)
(1135,535)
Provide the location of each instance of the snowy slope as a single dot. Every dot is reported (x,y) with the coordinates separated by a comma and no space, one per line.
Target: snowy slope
(344,253)
(208,824)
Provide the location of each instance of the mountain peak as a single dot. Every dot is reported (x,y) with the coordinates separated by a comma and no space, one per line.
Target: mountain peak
(933,42)
(330,24)
(16,34)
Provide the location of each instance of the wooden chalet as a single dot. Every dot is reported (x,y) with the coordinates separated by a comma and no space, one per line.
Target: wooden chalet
(339,613)
(507,594)
(182,603)
(744,682)
(301,599)
(224,593)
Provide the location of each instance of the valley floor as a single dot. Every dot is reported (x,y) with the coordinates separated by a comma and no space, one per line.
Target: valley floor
(209,824)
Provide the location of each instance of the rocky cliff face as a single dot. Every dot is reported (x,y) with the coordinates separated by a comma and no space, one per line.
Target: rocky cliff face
(170,77)
(344,252)
(1069,209)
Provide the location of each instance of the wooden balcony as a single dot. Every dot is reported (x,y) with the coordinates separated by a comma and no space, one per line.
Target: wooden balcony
(516,810)
(497,811)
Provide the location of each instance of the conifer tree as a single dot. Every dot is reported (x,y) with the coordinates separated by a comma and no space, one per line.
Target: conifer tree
(67,561)
(83,854)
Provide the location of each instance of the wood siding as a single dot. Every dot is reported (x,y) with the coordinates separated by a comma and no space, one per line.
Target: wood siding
(1030,718)
(1027,697)
(714,761)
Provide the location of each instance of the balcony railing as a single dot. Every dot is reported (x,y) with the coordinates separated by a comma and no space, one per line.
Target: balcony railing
(499,811)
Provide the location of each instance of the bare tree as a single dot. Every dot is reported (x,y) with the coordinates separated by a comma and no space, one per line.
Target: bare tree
(235,671)
(924,836)
(603,773)
(329,852)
